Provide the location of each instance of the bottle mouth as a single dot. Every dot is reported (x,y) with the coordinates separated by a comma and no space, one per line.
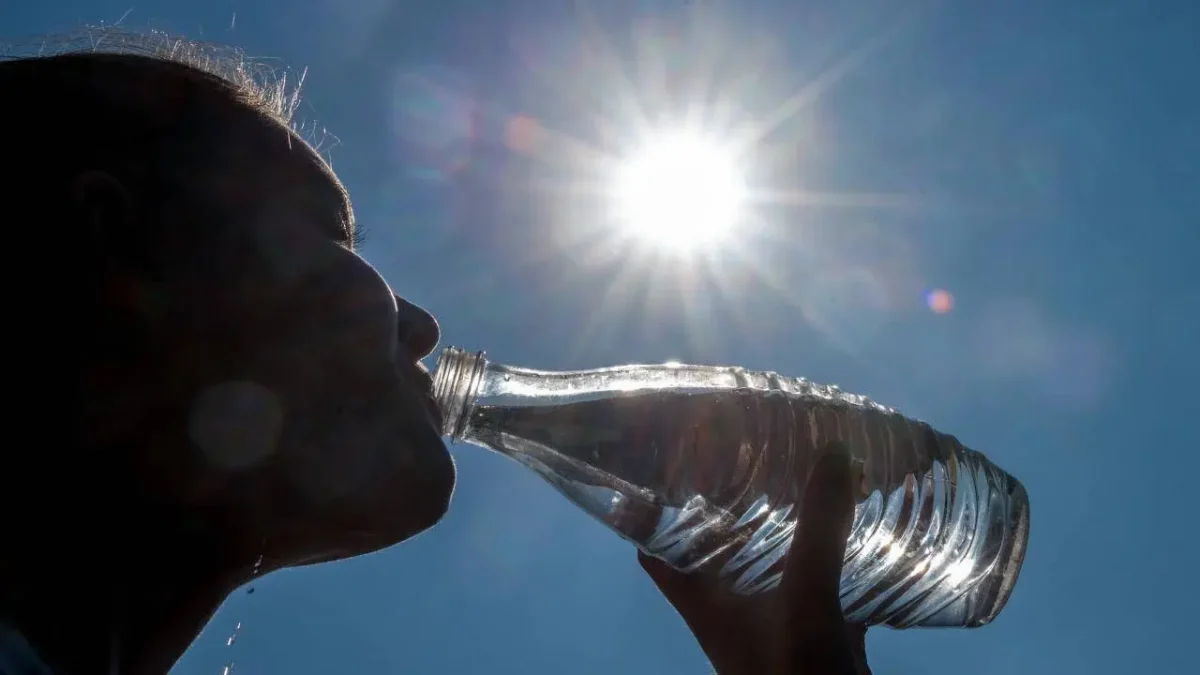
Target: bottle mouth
(456,379)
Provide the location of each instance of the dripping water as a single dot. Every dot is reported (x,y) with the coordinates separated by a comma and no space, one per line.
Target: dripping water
(237,628)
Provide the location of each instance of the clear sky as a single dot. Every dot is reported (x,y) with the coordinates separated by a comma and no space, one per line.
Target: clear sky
(1036,160)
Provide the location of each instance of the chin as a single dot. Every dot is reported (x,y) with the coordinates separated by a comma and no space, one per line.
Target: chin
(413,503)
(432,487)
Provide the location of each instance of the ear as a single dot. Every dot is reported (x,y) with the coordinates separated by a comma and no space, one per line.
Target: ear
(109,217)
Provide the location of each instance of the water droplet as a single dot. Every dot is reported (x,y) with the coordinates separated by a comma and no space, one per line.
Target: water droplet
(233,636)
(237,628)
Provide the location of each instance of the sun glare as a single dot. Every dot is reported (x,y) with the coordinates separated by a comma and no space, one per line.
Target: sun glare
(680,192)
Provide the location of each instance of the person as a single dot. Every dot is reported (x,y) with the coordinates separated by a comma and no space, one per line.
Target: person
(234,389)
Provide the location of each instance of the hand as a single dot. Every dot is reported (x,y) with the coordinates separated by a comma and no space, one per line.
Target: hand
(798,628)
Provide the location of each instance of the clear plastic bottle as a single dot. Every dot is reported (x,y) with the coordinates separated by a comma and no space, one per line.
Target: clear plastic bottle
(704,465)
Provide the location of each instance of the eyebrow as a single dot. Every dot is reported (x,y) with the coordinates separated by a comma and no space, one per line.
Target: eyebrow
(333,192)
(349,227)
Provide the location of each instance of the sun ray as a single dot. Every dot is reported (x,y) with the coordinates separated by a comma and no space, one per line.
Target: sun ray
(869,200)
(616,297)
(736,256)
(703,334)
(805,96)
(623,92)
(811,92)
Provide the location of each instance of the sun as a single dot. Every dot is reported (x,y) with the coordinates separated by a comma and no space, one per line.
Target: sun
(681,192)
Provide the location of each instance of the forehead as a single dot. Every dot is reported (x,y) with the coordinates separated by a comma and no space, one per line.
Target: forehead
(273,163)
(221,136)
(325,190)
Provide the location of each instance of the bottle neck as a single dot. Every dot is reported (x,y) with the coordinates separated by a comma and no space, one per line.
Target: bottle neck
(456,383)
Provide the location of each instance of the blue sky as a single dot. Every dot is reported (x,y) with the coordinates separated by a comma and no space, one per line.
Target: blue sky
(1036,160)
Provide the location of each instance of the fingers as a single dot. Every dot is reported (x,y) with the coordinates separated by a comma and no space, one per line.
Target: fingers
(687,593)
(814,635)
(826,514)
(660,573)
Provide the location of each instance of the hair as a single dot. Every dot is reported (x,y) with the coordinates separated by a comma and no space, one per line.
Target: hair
(149,108)
(271,90)
(105,86)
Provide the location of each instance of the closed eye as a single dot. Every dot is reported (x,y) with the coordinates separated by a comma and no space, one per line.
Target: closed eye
(355,236)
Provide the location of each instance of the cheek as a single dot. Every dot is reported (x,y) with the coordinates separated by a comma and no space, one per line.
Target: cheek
(340,304)
(308,332)
(322,446)
(350,446)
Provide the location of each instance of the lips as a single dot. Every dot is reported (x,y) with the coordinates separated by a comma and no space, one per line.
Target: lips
(425,384)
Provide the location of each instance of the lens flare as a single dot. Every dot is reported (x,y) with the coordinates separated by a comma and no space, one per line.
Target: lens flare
(940,301)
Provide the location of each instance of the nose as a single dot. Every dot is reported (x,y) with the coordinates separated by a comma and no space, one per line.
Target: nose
(418,330)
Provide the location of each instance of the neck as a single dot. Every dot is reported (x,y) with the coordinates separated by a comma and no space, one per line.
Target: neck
(115,605)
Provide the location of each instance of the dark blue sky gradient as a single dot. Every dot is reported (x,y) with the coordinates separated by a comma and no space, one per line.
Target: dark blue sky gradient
(1036,160)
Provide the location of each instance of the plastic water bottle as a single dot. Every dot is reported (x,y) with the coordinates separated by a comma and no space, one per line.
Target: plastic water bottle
(703,465)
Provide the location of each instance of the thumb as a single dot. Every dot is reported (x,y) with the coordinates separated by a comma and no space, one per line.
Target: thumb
(826,514)
(815,627)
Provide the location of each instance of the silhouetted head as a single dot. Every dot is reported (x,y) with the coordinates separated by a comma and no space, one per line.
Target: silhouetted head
(207,373)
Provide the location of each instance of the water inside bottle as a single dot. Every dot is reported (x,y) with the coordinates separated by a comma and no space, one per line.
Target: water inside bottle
(716,477)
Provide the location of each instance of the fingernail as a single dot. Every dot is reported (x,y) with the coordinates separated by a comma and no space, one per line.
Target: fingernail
(835,469)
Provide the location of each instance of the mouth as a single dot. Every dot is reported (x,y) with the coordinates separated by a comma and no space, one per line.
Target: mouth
(424,382)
